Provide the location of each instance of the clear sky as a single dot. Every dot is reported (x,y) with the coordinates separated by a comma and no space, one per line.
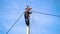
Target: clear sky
(10,10)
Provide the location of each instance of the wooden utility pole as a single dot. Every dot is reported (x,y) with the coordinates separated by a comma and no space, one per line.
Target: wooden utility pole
(27,17)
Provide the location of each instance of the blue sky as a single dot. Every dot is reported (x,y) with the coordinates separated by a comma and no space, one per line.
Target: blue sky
(10,10)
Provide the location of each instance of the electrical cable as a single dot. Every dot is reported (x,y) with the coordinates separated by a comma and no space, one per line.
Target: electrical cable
(14,24)
(46,14)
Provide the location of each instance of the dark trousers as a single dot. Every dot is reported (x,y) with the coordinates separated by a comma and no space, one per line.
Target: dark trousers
(27,21)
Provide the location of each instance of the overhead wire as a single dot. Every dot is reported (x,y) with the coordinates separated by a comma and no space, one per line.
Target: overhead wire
(46,13)
(14,23)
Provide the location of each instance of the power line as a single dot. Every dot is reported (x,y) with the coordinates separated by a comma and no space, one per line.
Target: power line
(14,24)
(46,14)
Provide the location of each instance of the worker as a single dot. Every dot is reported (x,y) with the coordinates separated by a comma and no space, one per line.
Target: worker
(26,15)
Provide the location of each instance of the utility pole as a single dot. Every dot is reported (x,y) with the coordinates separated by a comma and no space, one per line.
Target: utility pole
(27,19)
(28,30)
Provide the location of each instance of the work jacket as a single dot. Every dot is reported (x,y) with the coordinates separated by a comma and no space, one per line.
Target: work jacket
(26,14)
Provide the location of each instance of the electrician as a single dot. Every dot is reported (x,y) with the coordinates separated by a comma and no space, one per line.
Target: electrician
(26,15)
